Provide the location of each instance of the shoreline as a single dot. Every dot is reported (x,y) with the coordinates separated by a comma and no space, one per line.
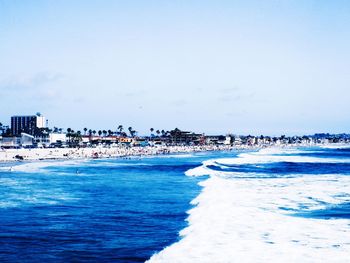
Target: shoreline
(42,154)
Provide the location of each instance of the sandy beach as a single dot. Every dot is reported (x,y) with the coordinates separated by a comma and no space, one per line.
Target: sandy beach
(8,155)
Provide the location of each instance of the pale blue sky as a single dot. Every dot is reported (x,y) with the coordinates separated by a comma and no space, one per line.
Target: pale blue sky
(258,67)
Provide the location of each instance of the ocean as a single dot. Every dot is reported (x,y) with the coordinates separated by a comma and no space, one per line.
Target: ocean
(276,205)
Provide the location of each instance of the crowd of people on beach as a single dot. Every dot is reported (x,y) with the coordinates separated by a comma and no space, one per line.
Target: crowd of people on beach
(100,152)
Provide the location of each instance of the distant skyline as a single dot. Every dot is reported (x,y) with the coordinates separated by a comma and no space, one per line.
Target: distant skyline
(242,67)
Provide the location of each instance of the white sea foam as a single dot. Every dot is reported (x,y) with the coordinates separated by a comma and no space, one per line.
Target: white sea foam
(263,156)
(242,220)
(29,198)
(336,146)
(246,158)
(38,166)
(187,155)
(24,191)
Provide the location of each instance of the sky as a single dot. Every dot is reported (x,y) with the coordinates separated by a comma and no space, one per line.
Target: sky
(241,67)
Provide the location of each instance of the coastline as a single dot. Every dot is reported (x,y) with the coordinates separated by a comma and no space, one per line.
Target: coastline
(37,154)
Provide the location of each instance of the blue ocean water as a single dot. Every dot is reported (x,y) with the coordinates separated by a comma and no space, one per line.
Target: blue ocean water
(269,205)
(105,210)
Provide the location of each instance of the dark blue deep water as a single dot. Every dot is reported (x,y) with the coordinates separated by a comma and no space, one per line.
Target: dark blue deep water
(126,210)
(110,210)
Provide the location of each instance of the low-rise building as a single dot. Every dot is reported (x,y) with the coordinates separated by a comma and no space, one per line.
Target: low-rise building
(177,136)
(227,140)
(25,140)
(216,139)
(11,142)
(236,140)
(125,140)
(55,138)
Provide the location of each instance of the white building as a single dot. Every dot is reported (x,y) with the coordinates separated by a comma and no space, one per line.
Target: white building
(57,138)
(26,139)
(40,121)
(10,142)
(237,140)
(227,140)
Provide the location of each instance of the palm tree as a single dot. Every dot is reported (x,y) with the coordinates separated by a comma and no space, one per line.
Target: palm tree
(109,132)
(69,130)
(151,135)
(158,132)
(76,138)
(120,128)
(69,133)
(90,132)
(85,129)
(132,132)
(94,132)
(99,133)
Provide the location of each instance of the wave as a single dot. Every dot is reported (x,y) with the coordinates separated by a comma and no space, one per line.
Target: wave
(258,160)
(335,146)
(262,220)
(18,192)
(39,166)
(174,155)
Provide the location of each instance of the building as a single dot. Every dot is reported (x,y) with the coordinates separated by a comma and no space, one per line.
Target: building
(185,137)
(57,138)
(10,142)
(228,140)
(28,124)
(217,139)
(24,140)
(126,140)
(236,140)
(40,121)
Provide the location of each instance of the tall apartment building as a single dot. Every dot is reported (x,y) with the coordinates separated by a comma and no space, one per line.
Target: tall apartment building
(27,124)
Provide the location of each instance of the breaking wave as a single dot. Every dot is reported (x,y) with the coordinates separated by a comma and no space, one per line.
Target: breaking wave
(275,205)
